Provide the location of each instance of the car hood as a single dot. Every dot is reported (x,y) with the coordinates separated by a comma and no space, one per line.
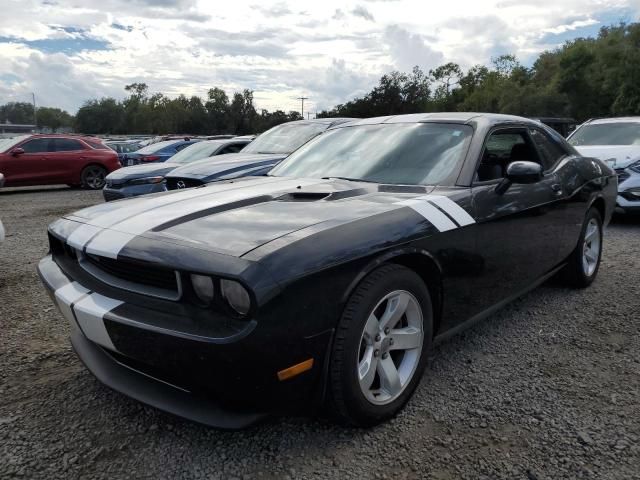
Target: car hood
(141,171)
(624,155)
(229,217)
(219,165)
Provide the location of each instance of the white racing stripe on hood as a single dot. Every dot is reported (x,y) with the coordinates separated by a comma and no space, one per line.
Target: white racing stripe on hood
(110,241)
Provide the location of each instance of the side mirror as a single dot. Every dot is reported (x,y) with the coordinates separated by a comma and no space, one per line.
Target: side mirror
(522,172)
(17,151)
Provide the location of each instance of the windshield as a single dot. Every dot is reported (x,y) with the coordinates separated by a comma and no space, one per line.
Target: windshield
(154,147)
(402,153)
(284,138)
(7,143)
(197,151)
(607,134)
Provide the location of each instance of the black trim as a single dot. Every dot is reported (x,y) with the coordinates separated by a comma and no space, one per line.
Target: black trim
(157,393)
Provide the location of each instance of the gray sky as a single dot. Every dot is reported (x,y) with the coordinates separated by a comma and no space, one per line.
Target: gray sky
(69,51)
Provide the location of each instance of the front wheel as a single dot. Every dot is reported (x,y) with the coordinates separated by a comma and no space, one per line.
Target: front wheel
(93,177)
(380,350)
(584,262)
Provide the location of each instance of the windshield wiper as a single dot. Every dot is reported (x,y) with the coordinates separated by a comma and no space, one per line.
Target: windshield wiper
(349,179)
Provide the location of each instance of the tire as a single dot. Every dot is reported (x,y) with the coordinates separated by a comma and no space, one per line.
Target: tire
(93,177)
(582,269)
(354,349)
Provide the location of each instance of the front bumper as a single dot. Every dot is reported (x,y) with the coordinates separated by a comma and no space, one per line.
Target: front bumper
(225,382)
(625,201)
(127,191)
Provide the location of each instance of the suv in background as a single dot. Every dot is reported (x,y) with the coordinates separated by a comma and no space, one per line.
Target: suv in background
(56,159)
(616,141)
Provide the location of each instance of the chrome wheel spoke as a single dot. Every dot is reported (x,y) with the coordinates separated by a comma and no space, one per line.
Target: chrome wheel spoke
(396,306)
(591,255)
(367,368)
(405,338)
(591,233)
(371,328)
(591,247)
(389,377)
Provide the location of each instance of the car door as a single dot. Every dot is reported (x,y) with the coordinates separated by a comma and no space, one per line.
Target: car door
(66,160)
(30,167)
(518,229)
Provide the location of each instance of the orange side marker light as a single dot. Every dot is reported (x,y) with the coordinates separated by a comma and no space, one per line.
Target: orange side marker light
(294,370)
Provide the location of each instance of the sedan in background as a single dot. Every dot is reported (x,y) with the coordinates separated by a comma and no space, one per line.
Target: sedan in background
(149,178)
(122,147)
(616,141)
(157,152)
(55,159)
(327,283)
(265,152)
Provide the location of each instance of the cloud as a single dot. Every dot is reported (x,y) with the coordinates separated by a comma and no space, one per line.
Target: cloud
(362,12)
(408,50)
(67,51)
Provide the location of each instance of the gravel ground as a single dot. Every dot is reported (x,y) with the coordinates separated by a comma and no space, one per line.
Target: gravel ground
(548,388)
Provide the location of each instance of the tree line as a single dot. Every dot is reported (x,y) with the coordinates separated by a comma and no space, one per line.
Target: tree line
(584,78)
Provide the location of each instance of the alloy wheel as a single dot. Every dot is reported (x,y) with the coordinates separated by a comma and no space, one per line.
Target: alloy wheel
(94,177)
(591,247)
(390,347)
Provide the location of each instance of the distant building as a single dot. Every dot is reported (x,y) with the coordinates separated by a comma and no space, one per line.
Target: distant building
(9,127)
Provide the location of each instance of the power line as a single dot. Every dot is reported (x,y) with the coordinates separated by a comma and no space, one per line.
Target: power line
(302,99)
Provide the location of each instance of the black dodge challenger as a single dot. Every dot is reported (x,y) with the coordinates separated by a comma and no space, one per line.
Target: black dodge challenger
(326,282)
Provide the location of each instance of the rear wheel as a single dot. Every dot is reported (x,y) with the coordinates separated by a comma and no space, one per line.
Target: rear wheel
(93,177)
(584,262)
(381,345)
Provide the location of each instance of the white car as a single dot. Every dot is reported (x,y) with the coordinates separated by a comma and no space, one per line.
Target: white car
(616,141)
(1,226)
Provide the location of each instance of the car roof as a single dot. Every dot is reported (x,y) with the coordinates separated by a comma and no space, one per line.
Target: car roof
(225,141)
(597,121)
(445,117)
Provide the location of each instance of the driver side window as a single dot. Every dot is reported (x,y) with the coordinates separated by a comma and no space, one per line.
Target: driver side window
(502,148)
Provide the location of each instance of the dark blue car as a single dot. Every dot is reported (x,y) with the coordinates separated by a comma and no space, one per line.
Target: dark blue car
(157,152)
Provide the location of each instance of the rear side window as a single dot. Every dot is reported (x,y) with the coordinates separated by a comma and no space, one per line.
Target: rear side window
(37,145)
(98,145)
(233,148)
(66,145)
(550,152)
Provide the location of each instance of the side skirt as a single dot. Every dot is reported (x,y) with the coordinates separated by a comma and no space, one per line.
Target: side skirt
(489,311)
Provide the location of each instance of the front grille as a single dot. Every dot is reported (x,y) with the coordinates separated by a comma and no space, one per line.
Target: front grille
(622,174)
(180,183)
(136,272)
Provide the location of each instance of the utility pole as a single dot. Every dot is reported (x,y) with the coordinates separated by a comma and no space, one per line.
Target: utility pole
(35,115)
(302,99)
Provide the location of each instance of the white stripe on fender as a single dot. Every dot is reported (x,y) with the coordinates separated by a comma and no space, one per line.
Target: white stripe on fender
(110,242)
(431,213)
(65,296)
(454,210)
(90,313)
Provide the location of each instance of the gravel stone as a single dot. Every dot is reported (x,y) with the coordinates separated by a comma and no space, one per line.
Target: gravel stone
(546,388)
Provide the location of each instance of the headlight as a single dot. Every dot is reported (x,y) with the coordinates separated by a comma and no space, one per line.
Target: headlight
(203,288)
(145,180)
(236,296)
(635,166)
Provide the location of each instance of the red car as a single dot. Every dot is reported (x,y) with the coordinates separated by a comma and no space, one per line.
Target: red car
(54,159)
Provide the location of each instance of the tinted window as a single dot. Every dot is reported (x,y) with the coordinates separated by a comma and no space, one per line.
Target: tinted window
(37,145)
(550,151)
(619,133)
(500,150)
(401,153)
(66,145)
(231,149)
